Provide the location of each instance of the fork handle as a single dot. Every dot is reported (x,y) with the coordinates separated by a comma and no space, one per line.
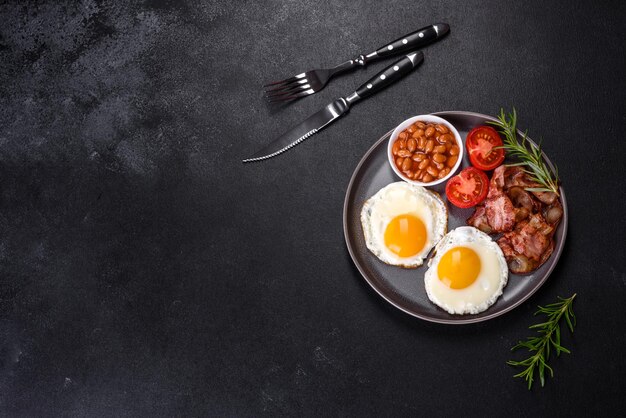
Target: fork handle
(411,41)
(408,42)
(386,77)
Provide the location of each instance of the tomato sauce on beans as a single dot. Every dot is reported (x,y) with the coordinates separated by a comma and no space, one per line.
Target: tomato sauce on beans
(425,151)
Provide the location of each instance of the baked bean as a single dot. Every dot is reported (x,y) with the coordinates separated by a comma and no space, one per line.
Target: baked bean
(430,144)
(418,156)
(442,128)
(395,148)
(425,152)
(445,138)
(411,144)
(406,164)
(439,158)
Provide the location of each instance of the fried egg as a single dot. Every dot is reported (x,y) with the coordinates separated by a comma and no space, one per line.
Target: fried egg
(402,222)
(467,273)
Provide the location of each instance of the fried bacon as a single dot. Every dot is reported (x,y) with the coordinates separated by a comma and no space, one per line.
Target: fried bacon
(500,213)
(479,220)
(516,176)
(527,219)
(531,237)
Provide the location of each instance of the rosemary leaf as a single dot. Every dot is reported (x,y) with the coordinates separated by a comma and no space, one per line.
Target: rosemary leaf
(538,189)
(529,155)
(549,339)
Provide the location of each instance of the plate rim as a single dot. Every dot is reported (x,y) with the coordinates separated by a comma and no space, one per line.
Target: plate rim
(460,320)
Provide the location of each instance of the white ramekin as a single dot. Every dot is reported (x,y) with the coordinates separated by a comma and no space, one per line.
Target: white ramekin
(425,119)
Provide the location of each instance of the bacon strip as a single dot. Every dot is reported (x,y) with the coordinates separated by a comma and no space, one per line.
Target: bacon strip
(527,219)
(500,213)
(479,220)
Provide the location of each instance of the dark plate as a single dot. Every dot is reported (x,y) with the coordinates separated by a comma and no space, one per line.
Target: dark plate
(404,288)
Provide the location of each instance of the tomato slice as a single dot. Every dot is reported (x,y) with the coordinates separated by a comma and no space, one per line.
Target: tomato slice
(480,144)
(468,188)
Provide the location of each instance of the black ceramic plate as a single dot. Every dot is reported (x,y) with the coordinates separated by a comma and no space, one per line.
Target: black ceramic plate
(404,288)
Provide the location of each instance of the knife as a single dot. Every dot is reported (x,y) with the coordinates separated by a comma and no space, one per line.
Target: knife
(339,107)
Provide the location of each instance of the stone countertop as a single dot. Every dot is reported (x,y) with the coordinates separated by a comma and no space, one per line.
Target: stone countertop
(145,271)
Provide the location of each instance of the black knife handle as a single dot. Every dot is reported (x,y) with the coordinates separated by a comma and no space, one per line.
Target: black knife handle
(412,41)
(386,77)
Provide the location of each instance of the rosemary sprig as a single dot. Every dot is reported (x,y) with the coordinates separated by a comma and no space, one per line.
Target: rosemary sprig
(549,338)
(528,154)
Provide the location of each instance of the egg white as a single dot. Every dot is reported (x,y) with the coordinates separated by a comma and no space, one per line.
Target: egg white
(489,284)
(397,199)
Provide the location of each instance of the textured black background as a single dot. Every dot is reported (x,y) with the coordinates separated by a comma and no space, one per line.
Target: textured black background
(144,271)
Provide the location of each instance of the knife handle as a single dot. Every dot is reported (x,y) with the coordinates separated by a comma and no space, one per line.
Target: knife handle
(386,77)
(412,41)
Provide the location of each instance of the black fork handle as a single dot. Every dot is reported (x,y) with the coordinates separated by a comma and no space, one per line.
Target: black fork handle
(412,41)
(386,77)
(409,42)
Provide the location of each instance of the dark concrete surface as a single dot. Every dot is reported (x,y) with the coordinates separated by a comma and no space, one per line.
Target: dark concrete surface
(144,271)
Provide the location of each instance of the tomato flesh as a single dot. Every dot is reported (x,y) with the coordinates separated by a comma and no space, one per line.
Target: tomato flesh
(468,188)
(481,144)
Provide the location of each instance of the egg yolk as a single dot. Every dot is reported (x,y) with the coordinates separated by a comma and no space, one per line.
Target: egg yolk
(459,267)
(405,235)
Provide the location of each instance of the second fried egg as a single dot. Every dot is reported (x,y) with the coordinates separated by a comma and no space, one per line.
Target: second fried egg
(467,273)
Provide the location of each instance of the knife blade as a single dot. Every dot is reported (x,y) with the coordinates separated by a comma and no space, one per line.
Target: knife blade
(339,107)
(302,131)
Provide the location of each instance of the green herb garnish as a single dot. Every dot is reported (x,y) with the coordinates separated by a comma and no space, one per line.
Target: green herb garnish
(528,154)
(549,339)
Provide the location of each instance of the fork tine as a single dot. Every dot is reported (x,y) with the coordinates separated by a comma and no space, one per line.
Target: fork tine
(291,97)
(297,82)
(285,81)
(288,90)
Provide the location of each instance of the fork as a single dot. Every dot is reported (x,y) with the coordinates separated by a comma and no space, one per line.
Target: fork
(312,81)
